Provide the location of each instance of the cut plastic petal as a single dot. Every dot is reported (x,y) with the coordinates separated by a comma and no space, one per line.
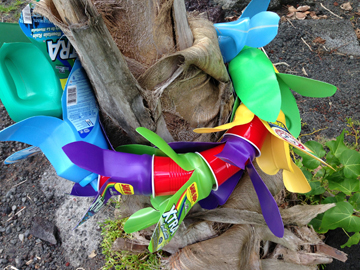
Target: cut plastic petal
(142,219)
(279,130)
(290,109)
(256,84)
(296,181)
(242,116)
(171,216)
(232,37)
(255,7)
(163,146)
(308,87)
(268,205)
(263,29)
(266,161)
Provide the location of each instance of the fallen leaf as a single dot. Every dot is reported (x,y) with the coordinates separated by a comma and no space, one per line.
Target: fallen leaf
(92,254)
(303,8)
(323,17)
(319,40)
(300,15)
(336,4)
(357,32)
(291,15)
(231,19)
(346,6)
(292,9)
(283,19)
(313,15)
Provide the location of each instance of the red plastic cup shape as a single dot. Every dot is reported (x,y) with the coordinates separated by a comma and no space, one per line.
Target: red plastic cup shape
(254,132)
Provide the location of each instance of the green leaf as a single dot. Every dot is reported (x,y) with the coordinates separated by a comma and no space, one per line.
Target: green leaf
(320,173)
(351,161)
(316,223)
(355,201)
(341,216)
(338,146)
(340,197)
(347,186)
(308,175)
(307,160)
(298,162)
(353,240)
(329,200)
(332,160)
(316,188)
(316,147)
(337,176)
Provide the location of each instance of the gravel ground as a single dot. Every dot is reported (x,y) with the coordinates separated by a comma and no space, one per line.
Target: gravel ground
(337,64)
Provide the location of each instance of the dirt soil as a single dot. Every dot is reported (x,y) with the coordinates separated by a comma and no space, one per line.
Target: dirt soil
(323,118)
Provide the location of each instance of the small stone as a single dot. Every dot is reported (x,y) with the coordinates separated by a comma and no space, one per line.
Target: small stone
(13,241)
(21,237)
(27,233)
(67,264)
(351,57)
(8,230)
(3,261)
(19,262)
(9,193)
(14,207)
(44,229)
(23,200)
(5,209)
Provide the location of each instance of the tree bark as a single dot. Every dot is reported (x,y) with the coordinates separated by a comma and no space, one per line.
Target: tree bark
(117,91)
(150,83)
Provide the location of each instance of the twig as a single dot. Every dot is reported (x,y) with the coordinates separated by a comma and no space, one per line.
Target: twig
(281,63)
(15,214)
(330,11)
(313,132)
(19,184)
(290,23)
(29,198)
(304,71)
(306,44)
(20,211)
(11,267)
(333,50)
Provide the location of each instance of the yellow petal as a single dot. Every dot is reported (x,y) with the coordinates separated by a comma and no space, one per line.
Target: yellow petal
(277,129)
(266,160)
(242,116)
(281,153)
(275,155)
(296,181)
